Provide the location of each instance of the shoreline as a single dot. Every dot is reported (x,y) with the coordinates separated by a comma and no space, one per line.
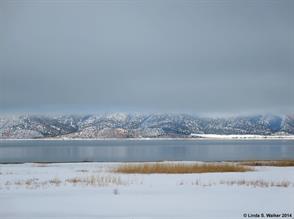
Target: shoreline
(196,138)
(150,162)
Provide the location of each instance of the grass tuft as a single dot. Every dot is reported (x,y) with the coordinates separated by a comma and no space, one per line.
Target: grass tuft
(169,168)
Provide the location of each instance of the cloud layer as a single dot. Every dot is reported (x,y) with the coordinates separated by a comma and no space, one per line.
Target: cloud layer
(179,56)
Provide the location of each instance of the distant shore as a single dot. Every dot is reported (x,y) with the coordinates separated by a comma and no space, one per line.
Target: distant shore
(193,137)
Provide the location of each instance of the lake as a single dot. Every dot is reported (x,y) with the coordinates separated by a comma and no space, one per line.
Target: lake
(16,151)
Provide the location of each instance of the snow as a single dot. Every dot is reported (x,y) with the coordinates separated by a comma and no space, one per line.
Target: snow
(137,195)
(255,137)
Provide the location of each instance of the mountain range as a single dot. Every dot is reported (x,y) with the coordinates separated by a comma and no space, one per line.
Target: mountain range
(135,125)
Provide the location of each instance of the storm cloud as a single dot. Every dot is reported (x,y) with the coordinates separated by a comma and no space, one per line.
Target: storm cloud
(136,55)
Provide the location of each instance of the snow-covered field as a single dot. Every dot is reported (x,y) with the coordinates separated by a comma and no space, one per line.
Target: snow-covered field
(91,190)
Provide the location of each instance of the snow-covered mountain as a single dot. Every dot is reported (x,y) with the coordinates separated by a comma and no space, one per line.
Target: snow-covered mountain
(123,125)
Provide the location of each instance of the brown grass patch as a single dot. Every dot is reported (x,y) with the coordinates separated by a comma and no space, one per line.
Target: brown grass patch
(169,168)
(275,163)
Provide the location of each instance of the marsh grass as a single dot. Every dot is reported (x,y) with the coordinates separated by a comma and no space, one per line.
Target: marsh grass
(174,168)
(275,163)
(28,183)
(55,181)
(260,183)
(93,180)
(257,183)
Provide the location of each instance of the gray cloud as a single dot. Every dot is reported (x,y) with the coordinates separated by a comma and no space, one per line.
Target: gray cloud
(179,56)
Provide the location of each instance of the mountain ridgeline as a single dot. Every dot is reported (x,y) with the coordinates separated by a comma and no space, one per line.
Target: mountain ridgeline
(122,125)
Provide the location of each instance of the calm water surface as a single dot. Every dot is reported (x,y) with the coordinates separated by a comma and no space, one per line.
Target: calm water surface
(144,150)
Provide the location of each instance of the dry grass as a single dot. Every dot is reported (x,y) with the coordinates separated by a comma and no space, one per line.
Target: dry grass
(91,180)
(257,183)
(275,163)
(260,183)
(40,165)
(96,181)
(55,181)
(82,171)
(28,183)
(169,168)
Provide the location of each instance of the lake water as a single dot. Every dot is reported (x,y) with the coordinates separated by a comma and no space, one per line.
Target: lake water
(143,150)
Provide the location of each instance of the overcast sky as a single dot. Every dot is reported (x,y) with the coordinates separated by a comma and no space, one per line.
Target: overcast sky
(138,55)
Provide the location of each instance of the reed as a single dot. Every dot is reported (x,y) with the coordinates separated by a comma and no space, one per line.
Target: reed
(174,168)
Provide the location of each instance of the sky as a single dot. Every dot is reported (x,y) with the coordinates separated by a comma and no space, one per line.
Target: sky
(189,56)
